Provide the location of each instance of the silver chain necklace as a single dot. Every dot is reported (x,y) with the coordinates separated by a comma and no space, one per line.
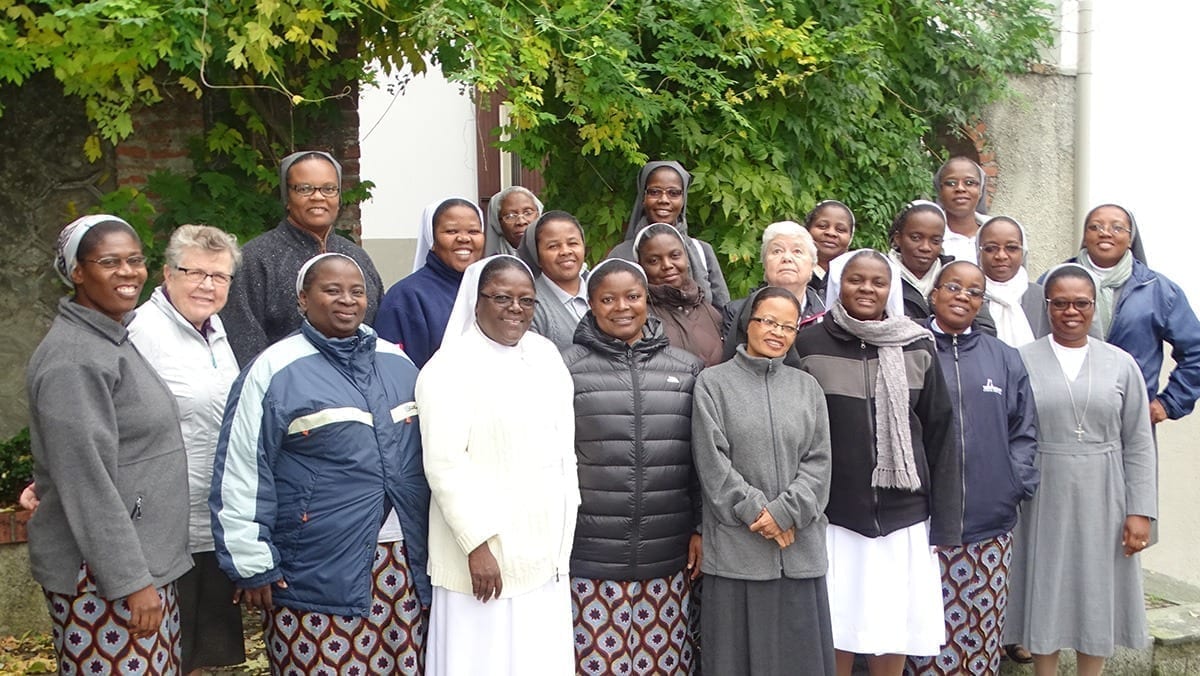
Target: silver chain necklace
(1086,402)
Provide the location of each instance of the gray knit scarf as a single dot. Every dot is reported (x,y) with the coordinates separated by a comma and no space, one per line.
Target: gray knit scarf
(1110,280)
(895,466)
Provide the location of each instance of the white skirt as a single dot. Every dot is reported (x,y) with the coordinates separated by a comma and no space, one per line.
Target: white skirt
(885,594)
(529,634)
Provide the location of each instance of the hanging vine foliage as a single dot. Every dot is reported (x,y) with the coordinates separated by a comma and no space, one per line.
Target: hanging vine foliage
(773,105)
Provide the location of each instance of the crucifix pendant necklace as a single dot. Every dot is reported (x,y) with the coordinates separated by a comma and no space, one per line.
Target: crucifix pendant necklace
(1079,417)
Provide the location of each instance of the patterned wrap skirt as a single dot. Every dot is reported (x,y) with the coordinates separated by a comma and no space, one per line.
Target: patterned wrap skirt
(637,627)
(390,640)
(975,594)
(91,634)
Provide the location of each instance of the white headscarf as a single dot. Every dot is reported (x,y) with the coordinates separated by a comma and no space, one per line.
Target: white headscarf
(425,235)
(1004,298)
(462,315)
(833,290)
(66,250)
(313,261)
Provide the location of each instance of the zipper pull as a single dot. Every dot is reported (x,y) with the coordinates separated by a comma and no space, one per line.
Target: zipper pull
(136,514)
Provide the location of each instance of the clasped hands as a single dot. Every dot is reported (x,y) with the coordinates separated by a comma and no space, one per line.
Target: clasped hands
(765,526)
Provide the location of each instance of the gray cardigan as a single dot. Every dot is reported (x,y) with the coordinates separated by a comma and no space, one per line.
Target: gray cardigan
(760,437)
(109,461)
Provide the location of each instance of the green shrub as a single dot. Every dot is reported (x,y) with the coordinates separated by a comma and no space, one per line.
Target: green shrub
(16,466)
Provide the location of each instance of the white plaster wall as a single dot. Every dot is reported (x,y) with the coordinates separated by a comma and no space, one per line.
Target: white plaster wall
(418,146)
(1144,153)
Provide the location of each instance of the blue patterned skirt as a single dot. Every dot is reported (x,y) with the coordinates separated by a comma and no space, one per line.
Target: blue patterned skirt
(975,594)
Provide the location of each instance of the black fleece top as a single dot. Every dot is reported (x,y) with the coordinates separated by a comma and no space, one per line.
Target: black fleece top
(846,368)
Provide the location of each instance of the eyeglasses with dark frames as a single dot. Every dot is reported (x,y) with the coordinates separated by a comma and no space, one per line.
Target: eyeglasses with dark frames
(1080,304)
(503,300)
(304,189)
(197,276)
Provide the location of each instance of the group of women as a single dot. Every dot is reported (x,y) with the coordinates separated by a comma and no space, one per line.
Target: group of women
(512,464)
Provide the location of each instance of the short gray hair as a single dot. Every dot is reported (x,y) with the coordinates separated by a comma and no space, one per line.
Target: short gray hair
(788,229)
(204,238)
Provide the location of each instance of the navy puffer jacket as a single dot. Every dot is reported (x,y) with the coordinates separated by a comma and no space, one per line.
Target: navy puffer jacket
(633,432)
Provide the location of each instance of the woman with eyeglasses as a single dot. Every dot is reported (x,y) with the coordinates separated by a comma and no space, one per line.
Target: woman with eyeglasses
(961,189)
(760,436)
(1016,303)
(896,487)
(1076,577)
(178,331)
(510,212)
(1138,309)
(662,198)
(690,321)
(553,248)
(498,427)
(637,540)
(110,534)
(416,309)
(262,302)
(994,428)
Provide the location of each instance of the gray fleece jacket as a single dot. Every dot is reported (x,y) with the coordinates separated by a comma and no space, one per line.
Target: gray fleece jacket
(109,462)
(760,438)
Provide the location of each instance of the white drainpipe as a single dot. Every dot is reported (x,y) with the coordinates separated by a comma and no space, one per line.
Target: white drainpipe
(1083,118)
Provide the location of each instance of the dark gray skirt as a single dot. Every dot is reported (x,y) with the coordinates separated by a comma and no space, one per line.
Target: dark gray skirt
(210,623)
(766,627)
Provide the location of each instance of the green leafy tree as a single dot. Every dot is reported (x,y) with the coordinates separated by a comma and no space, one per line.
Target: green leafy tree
(772,105)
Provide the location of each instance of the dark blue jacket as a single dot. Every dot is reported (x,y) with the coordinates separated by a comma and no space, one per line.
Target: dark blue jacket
(320,436)
(414,312)
(1151,310)
(995,430)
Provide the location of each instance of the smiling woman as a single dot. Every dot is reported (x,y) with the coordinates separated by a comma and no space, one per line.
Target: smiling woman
(262,304)
(498,551)
(415,310)
(690,321)
(897,478)
(553,248)
(179,333)
(106,547)
(342,556)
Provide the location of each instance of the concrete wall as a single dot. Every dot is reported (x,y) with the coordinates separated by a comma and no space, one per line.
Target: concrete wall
(1033,138)
(47,183)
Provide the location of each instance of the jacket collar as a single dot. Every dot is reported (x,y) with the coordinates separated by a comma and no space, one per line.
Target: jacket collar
(757,365)
(160,301)
(95,321)
(353,356)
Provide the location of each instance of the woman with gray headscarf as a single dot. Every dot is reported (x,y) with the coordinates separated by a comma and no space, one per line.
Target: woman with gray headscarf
(662,198)
(510,212)
(110,534)
(553,248)
(262,303)
(1138,309)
